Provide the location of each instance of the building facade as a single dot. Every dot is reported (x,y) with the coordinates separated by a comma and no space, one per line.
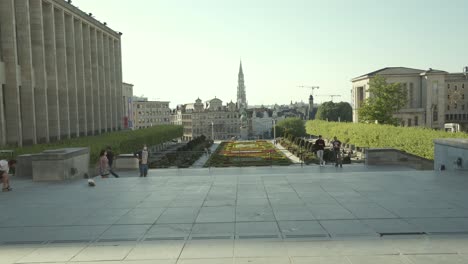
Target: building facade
(127,94)
(150,113)
(434,97)
(213,120)
(60,73)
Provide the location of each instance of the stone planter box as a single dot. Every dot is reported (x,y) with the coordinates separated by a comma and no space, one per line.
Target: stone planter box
(451,153)
(126,161)
(60,164)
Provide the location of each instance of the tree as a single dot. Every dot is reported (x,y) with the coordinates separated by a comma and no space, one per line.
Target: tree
(385,100)
(292,126)
(333,112)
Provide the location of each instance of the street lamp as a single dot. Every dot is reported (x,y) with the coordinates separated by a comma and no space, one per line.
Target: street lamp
(274,129)
(212,130)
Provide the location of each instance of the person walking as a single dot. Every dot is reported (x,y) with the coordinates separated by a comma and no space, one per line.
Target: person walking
(4,168)
(336,145)
(143,156)
(110,158)
(320,146)
(103,164)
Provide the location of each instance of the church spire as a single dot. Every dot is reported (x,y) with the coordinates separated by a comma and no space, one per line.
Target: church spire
(241,98)
(241,73)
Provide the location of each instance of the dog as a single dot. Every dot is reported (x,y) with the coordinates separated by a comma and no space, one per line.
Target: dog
(91,183)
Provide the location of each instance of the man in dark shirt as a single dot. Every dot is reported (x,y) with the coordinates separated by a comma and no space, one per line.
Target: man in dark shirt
(319,146)
(110,158)
(336,145)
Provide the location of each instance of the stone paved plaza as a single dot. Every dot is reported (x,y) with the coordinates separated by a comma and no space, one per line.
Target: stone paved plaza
(241,215)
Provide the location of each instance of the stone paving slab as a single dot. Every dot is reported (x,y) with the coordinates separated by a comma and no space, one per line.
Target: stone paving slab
(240,215)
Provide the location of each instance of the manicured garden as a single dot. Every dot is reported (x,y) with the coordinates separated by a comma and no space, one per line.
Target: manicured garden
(247,153)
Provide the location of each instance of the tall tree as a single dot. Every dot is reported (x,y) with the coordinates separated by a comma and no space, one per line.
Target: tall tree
(385,100)
(334,112)
(292,126)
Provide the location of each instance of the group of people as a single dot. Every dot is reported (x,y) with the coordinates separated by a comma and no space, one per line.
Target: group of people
(335,146)
(106,159)
(5,167)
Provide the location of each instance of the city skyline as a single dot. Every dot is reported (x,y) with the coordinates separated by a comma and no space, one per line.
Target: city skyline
(181,51)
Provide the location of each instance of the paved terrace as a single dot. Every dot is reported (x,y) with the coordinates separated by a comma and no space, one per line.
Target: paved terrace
(241,215)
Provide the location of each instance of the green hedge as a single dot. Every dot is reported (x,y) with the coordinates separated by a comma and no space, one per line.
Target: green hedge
(127,141)
(414,140)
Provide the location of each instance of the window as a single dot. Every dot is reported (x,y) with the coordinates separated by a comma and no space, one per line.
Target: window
(456,88)
(416,121)
(409,122)
(455,106)
(446,117)
(463,96)
(463,107)
(448,96)
(448,107)
(435,113)
(448,86)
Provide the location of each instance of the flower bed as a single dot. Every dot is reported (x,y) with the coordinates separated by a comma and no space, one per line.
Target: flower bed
(247,153)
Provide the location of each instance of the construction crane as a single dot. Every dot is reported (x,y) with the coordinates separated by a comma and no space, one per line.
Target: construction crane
(331,95)
(309,87)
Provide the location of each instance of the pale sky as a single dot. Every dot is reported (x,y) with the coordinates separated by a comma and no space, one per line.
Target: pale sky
(179,50)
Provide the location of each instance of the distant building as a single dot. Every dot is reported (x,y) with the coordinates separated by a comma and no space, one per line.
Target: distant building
(260,123)
(127,94)
(212,119)
(435,97)
(150,113)
(60,73)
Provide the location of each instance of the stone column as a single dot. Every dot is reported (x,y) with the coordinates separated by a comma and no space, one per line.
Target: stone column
(120,102)
(88,79)
(62,73)
(102,81)
(23,37)
(40,75)
(71,74)
(95,81)
(10,91)
(108,83)
(80,78)
(51,69)
(113,80)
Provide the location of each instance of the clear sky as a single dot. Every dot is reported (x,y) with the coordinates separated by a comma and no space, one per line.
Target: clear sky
(178,50)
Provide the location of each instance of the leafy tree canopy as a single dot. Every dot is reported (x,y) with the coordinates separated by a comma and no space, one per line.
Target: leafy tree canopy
(331,111)
(291,126)
(385,100)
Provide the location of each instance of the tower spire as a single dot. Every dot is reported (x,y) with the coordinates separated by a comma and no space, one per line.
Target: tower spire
(241,98)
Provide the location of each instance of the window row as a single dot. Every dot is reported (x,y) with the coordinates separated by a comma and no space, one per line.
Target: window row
(456,117)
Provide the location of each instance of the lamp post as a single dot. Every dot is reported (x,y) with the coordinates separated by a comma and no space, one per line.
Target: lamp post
(274,130)
(212,130)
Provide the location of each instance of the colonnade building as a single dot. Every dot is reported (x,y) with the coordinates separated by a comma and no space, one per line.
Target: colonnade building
(60,73)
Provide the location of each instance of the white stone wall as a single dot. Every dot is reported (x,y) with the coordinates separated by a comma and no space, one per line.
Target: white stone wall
(447,151)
